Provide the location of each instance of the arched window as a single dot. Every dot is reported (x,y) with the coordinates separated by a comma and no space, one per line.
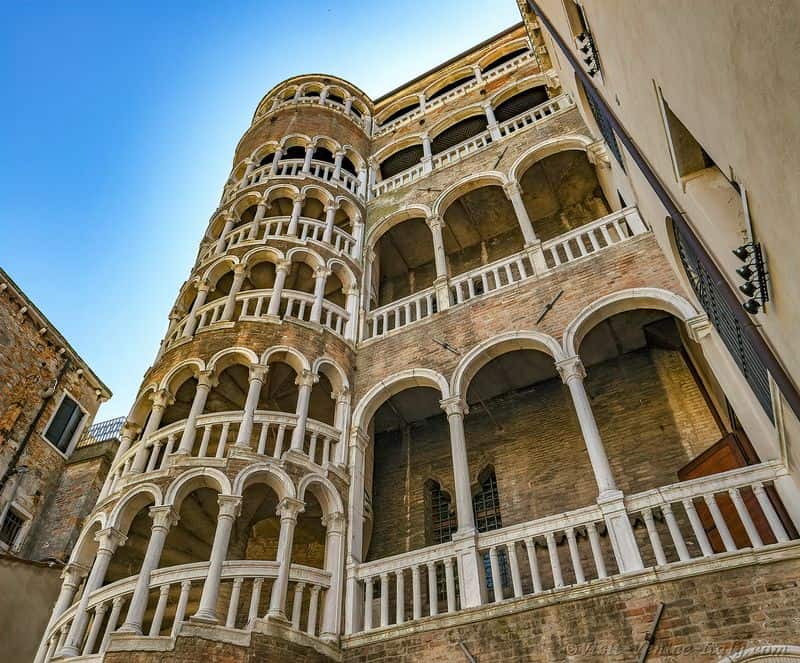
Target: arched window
(486,508)
(442,517)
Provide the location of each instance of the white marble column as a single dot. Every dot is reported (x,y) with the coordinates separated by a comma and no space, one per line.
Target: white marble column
(573,373)
(205,381)
(108,539)
(288,510)
(282,268)
(334,524)
(71,578)
(248,170)
(363,182)
(355,516)
(341,423)
(239,274)
(427,155)
(351,306)
(258,374)
(229,508)
(476,70)
(456,408)
(436,225)
(191,323)
(321,275)
(330,215)
(127,434)
(163,517)
(491,120)
(305,381)
(297,208)
(230,221)
(273,169)
(309,156)
(610,499)
(261,210)
(337,165)
(161,399)
(513,192)
(358,236)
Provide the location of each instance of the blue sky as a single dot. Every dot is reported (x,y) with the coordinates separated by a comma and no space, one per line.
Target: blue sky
(118,128)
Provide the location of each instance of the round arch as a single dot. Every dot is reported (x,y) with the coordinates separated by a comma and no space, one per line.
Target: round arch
(323,489)
(474,110)
(83,552)
(184,369)
(126,509)
(262,254)
(385,389)
(496,346)
(465,185)
(619,302)
(267,473)
(451,77)
(218,269)
(546,149)
(202,477)
(387,222)
(225,358)
(537,80)
(296,359)
(331,370)
(295,140)
(142,405)
(403,102)
(306,255)
(503,49)
(396,146)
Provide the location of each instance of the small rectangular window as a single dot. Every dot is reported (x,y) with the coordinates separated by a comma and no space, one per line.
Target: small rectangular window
(688,154)
(11,527)
(64,424)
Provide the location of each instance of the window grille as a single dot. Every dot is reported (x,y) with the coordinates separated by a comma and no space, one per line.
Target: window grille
(458,133)
(400,161)
(64,423)
(443,518)
(520,103)
(605,129)
(486,507)
(726,324)
(11,527)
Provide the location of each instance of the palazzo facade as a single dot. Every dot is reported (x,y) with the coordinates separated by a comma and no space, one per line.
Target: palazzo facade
(434,390)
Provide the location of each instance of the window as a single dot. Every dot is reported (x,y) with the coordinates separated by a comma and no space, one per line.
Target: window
(443,518)
(486,508)
(458,133)
(688,155)
(11,527)
(64,424)
(400,161)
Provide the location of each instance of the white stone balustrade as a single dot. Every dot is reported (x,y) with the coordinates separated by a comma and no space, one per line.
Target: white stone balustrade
(537,115)
(570,550)
(486,278)
(254,305)
(593,237)
(169,592)
(400,313)
(216,435)
(485,76)
(289,168)
(345,108)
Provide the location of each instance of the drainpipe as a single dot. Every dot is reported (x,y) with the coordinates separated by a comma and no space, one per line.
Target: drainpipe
(760,346)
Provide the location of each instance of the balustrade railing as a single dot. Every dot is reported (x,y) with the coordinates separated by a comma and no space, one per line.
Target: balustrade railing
(680,524)
(215,436)
(489,75)
(253,305)
(174,595)
(400,313)
(531,117)
(320,170)
(586,240)
(361,121)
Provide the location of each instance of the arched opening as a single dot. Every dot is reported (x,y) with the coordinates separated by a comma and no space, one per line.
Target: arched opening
(313,208)
(179,408)
(294,152)
(404,261)
(401,160)
(266,160)
(260,276)
(220,287)
(334,290)
(322,406)
(520,103)
(458,133)
(663,419)
(403,110)
(411,443)
(480,227)
(279,391)
(323,154)
(279,206)
(561,192)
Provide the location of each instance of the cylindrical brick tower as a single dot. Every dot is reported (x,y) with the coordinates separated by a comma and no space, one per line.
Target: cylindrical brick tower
(235,448)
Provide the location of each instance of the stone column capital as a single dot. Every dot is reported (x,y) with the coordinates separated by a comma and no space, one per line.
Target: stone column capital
(203,287)
(163,517)
(229,506)
(699,327)
(597,153)
(454,405)
(340,154)
(283,266)
(512,189)
(207,379)
(162,398)
(359,438)
(571,368)
(342,395)
(130,429)
(290,508)
(109,538)
(299,198)
(435,222)
(306,379)
(334,522)
(73,572)
(331,207)
(240,269)
(322,273)
(258,372)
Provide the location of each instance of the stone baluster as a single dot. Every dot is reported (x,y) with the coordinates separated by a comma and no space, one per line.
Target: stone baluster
(400,598)
(161,608)
(297,604)
(433,594)
(313,604)
(416,592)
(229,506)
(97,621)
(113,618)
(516,576)
(233,603)
(384,598)
(368,604)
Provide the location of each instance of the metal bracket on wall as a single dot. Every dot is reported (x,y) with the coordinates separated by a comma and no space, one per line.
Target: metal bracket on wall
(650,635)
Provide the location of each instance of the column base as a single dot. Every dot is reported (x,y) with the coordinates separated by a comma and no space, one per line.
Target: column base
(620,531)
(536,256)
(275,616)
(204,617)
(68,651)
(470,568)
